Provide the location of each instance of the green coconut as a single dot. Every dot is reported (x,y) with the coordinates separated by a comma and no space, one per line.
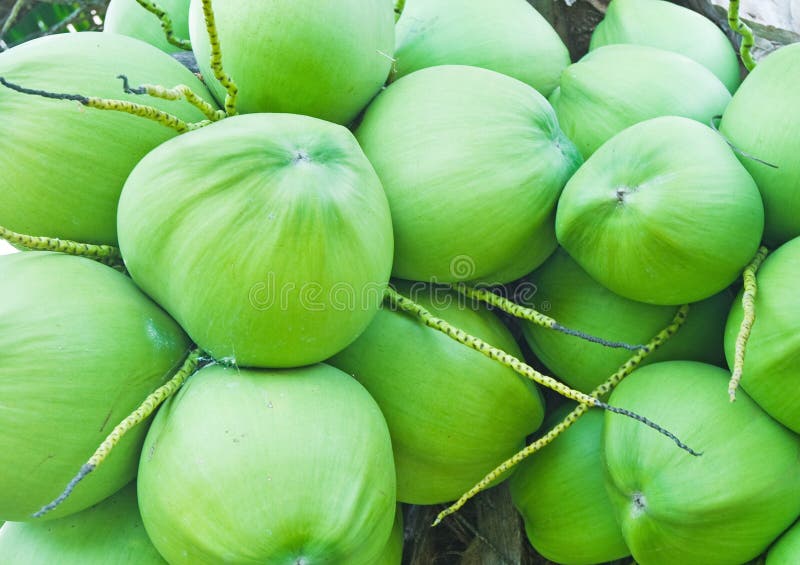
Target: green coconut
(444,441)
(281,466)
(771,371)
(73,192)
(127,17)
(617,86)
(472,162)
(568,294)
(322,59)
(82,348)
(762,120)
(267,236)
(671,27)
(786,551)
(723,507)
(561,495)
(110,533)
(663,213)
(507,36)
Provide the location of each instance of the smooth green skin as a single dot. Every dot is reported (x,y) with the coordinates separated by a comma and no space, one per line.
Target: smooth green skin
(279,467)
(617,86)
(110,533)
(322,59)
(723,507)
(82,348)
(127,17)
(73,193)
(472,162)
(507,36)
(393,551)
(454,415)
(266,236)
(561,495)
(533,255)
(786,551)
(568,294)
(663,213)
(668,26)
(762,120)
(772,357)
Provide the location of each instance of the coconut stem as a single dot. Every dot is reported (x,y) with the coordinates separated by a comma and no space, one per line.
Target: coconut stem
(224,79)
(748,40)
(142,413)
(746,327)
(105,254)
(626,369)
(518,366)
(399,6)
(534,316)
(166,24)
(180,92)
(407,305)
(163,118)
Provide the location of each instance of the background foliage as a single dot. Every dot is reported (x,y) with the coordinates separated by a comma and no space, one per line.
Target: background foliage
(24,20)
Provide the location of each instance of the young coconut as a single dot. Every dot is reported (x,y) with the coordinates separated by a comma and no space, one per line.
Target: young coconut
(443,443)
(507,36)
(579,302)
(668,26)
(724,507)
(786,551)
(771,369)
(129,17)
(325,60)
(246,466)
(617,86)
(267,236)
(110,533)
(82,347)
(561,496)
(73,193)
(650,215)
(472,162)
(762,121)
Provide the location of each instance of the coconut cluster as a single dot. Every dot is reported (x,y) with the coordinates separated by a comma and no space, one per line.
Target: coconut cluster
(287,270)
